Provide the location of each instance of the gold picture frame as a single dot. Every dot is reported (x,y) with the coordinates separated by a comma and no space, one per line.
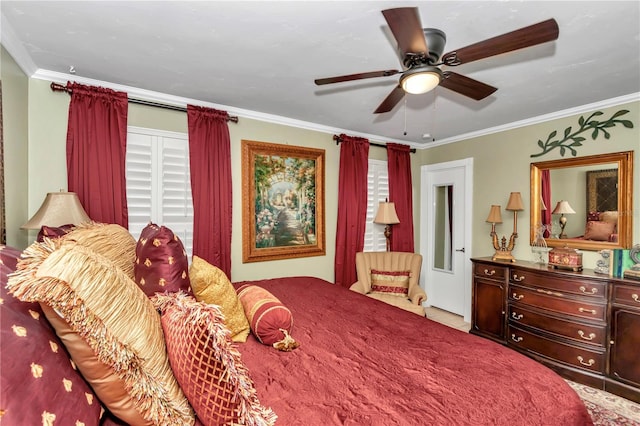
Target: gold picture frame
(283,201)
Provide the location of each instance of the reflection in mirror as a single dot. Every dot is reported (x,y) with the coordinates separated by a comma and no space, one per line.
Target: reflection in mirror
(591,195)
(442,252)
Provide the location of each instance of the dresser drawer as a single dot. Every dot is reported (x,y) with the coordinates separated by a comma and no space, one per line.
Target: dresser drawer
(585,333)
(490,271)
(559,283)
(626,295)
(591,360)
(557,302)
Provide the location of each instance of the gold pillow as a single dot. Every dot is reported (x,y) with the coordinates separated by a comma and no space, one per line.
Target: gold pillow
(103,306)
(609,216)
(211,285)
(110,240)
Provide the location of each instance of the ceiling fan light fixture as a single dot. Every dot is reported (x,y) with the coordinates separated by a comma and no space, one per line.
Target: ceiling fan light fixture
(421,80)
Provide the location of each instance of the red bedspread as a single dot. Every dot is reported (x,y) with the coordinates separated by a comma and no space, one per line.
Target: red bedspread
(362,362)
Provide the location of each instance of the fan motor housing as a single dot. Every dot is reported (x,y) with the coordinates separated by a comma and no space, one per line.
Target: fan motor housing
(436,40)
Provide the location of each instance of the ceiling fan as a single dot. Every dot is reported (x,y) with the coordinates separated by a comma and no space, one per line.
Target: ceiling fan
(421,53)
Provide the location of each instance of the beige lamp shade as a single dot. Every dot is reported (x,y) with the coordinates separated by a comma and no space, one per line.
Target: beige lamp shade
(563,207)
(58,208)
(494,215)
(542,204)
(515,202)
(386,214)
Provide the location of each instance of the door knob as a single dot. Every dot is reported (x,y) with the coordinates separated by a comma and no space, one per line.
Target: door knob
(462,249)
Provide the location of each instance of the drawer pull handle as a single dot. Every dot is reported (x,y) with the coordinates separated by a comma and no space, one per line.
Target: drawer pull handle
(489,272)
(516,316)
(591,311)
(584,290)
(588,363)
(549,292)
(591,336)
(635,297)
(517,339)
(517,296)
(518,278)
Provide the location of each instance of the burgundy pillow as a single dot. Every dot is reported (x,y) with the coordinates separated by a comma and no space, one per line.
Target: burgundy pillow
(161,261)
(593,216)
(54,232)
(39,383)
(271,322)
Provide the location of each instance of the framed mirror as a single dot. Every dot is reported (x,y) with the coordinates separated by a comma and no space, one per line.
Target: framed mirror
(583,202)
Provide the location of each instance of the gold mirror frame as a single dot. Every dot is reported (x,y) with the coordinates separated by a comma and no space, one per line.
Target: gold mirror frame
(624,161)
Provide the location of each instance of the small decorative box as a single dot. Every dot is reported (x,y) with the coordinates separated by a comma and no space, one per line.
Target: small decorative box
(566,258)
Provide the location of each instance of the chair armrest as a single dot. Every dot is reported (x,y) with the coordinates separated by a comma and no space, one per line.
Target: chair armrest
(417,295)
(358,287)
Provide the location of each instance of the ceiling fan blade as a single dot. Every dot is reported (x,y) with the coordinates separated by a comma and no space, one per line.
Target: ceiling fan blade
(466,86)
(351,77)
(406,27)
(524,37)
(391,100)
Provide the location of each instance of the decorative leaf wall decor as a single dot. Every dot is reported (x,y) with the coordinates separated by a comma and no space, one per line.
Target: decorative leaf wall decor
(571,139)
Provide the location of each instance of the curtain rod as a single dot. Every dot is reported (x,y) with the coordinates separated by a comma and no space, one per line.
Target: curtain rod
(380,145)
(60,88)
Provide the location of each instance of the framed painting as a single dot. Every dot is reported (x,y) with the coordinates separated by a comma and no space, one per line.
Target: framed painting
(602,190)
(282,201)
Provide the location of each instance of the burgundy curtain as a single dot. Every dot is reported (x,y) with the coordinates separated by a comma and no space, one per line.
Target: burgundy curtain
(352,207)
(400,192)
(96,151)
(546,199)
(210,167)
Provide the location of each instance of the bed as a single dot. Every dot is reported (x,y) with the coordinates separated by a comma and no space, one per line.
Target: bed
(360,362)
(363,362)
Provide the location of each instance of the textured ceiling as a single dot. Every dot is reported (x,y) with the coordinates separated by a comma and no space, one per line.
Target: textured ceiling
(260,58)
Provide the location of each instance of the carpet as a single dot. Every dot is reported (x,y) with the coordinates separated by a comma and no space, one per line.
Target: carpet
(607,409)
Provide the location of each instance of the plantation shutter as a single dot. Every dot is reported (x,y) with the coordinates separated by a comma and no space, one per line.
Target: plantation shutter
(158,182)
(377,190)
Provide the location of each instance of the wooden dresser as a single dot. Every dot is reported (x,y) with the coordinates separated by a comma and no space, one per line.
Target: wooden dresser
(583,325)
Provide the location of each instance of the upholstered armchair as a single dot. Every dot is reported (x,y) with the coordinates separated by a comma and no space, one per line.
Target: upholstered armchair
(391,277)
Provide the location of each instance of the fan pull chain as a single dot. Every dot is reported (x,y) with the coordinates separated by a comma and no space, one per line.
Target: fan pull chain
(405,116)
(434,119)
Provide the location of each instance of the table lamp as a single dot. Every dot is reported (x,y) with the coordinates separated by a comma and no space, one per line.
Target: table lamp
(387,216)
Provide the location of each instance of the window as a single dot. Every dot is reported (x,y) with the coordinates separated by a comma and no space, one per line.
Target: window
(377,190)
(158,182)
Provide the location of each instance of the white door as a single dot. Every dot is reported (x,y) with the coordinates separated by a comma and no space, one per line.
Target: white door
(445,239)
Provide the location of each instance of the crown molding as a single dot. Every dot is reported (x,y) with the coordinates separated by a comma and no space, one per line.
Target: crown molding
(15,48)
(179,101)
(540,119)
(134,92)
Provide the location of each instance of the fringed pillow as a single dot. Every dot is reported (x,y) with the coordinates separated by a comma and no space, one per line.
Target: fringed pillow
(110,240)
(271,322)
(105,310)
(161,262)
(207,364)
(38,382)
(211,285)
(394,283)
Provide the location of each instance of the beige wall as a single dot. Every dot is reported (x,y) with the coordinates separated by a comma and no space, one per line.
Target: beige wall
(501,165)
(47,170)
(48,121)
(16,148)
